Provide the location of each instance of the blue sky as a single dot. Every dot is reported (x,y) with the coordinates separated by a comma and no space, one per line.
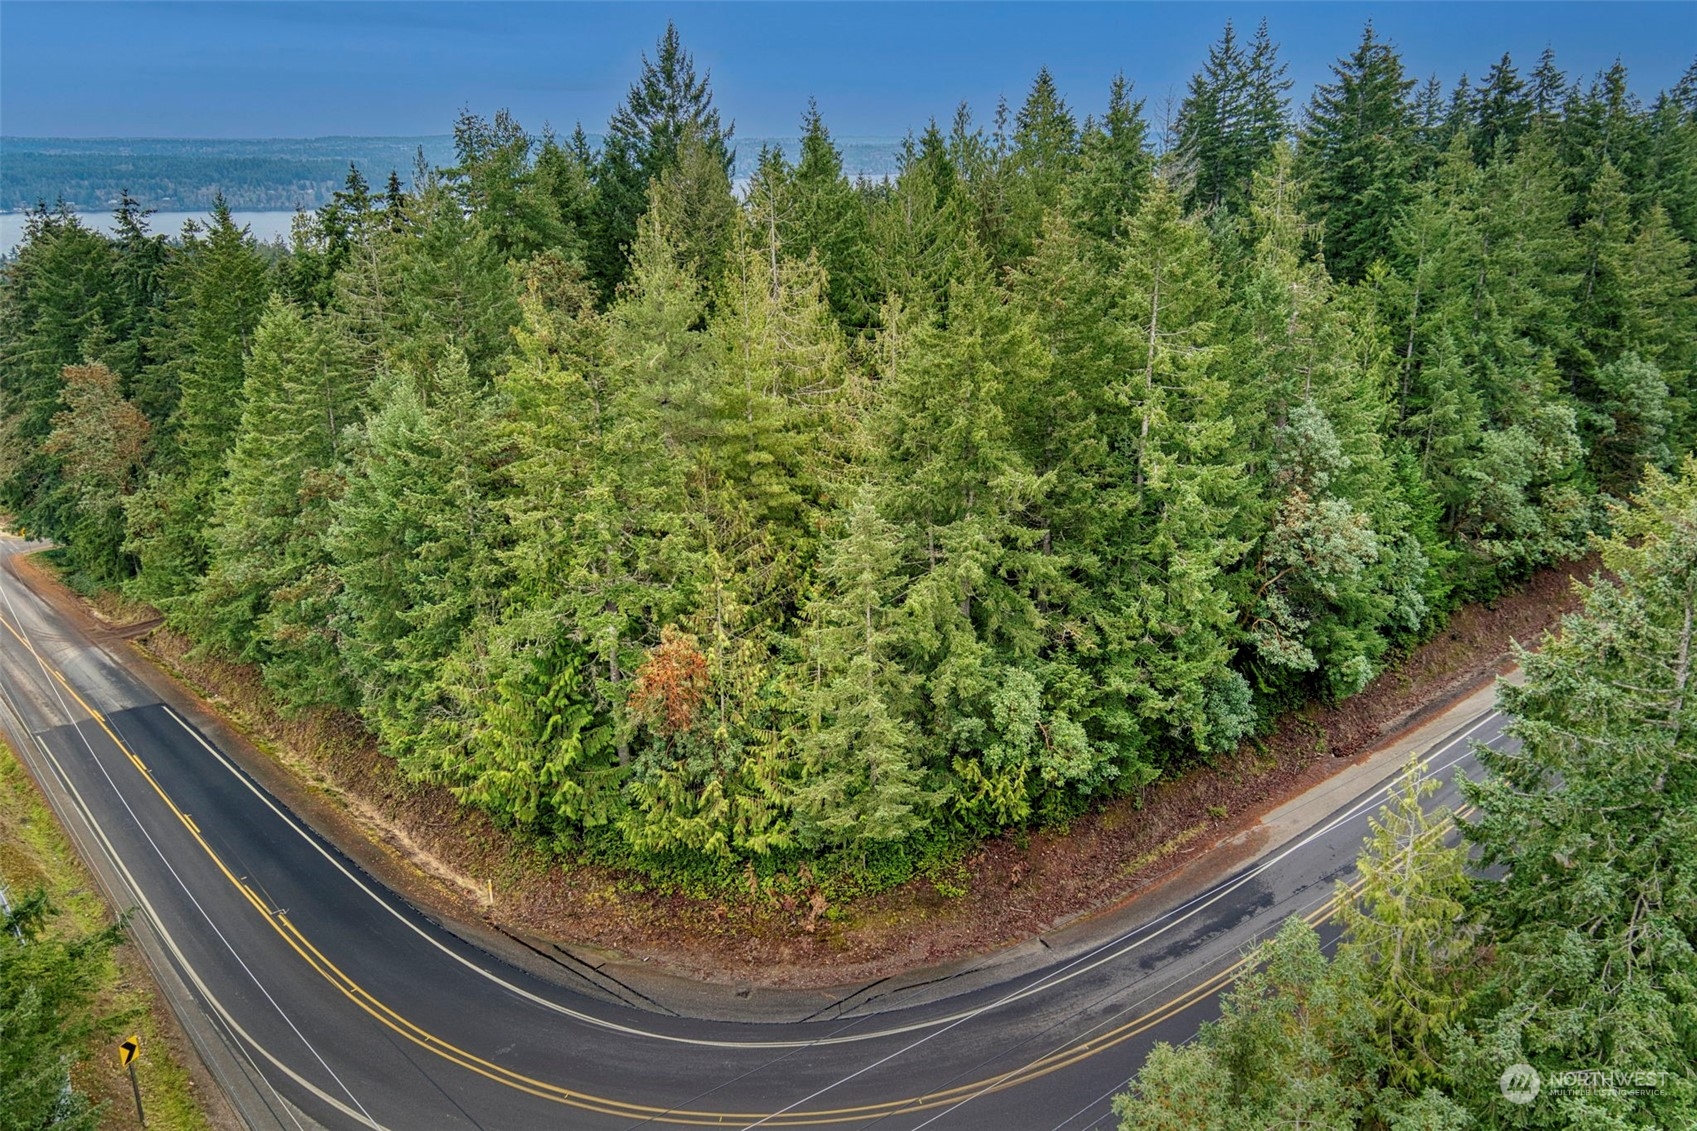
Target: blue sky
(877,69)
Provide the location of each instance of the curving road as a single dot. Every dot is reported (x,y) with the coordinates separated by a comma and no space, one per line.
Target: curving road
(320,998)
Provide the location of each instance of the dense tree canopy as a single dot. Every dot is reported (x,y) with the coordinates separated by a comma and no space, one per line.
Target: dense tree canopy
(1573,949)
(682,520)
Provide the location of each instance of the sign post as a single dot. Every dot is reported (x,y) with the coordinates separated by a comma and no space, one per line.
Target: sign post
(127,1057)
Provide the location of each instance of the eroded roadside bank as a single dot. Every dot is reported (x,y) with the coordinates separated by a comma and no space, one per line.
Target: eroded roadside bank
(455,863)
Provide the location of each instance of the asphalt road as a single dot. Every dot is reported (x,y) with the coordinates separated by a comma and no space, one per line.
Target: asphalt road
(319,997)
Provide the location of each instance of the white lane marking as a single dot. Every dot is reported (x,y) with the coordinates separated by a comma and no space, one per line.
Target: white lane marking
(76,724)
(1354,811)
(1049,981)
(158,924)
(110,852)
(1077,967)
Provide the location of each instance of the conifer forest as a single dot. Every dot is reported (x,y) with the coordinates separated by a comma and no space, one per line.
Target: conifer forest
(690,524)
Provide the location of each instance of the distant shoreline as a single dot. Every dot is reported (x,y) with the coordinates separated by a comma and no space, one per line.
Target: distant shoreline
(266,225)
(279,174)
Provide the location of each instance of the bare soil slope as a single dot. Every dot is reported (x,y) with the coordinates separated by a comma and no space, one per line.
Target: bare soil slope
(783,933)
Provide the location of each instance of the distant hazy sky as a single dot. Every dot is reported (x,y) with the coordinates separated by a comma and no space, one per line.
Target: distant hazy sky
(877,69)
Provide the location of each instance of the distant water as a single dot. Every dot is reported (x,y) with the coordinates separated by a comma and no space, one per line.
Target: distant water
(266,226)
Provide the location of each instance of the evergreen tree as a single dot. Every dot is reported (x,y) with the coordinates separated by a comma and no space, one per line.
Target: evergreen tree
(664,106)
(445,285)
(563,173)
(1590,822)
(1408,919)
(1636,293)
(140,275)
(1353,1041)
(101,442)
(860,780)
(1547,91)
(692,200)
(216,308)
(1354,155)
(415,540)
(1043,158)
(756,419)
(49,1015)
(1114,166)
(59,299)
(1633,425)
(812,209)
(1489,272)
(1433,130)
(539,752)
(918,231)
(1603,125)
(598,507)
(981,164)
(394,203)
(1502,110)
(270,512)
(499,178)
(218,288)
(1070,429)
(1186,478)
(1638,304)
(1291,1048)
(1139,463)
(1232,116)
(1605,233)
(323,242)
(1672,160)
(962,493)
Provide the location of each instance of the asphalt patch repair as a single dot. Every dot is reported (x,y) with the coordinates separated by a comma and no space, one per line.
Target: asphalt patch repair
(458,865)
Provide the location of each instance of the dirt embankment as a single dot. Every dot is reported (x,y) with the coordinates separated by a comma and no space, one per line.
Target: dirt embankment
(1008,890)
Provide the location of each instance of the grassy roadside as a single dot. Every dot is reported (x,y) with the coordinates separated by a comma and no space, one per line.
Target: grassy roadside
(35,852)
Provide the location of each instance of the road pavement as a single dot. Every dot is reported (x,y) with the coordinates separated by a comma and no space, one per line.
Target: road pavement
(318,997)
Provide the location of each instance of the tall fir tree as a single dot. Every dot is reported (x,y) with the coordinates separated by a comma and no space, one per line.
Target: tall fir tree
(1590,824)
(416,540)
(598,507)
(101,442)
(1114,166)
(219,283)
(1502,110)
(919,227)
(812,209)
(498,179)
(1354,155)
(668,103)
(1233,114)
(1042,159)
(60,299)
(861,779)
(1186,477)
(1603,124)
(265,536)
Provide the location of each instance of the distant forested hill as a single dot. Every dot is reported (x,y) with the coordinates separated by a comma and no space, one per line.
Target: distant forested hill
(264,174)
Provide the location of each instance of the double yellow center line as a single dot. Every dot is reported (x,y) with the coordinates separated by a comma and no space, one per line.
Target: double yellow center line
(349,988)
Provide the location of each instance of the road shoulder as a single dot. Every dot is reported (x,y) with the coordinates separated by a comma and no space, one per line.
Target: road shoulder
(1204,824)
